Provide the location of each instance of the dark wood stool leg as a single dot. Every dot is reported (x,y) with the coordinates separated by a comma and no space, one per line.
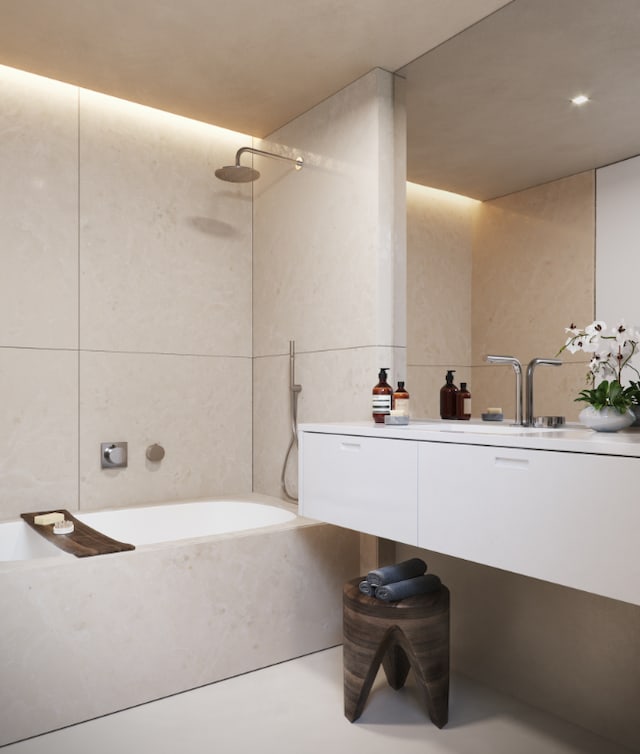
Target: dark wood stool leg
(396,665)
(359,675)
(427,649)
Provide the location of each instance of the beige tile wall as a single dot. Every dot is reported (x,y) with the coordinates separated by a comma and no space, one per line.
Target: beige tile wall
(39,221)
(439,257)
(328,265)
(533,275)
(125,301)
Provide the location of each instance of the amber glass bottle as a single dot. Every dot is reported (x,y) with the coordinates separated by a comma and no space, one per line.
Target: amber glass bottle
(463,402)
(381,398)
(401,399)
(448,394)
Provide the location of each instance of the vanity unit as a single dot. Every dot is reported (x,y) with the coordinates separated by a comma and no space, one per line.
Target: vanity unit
(558,505)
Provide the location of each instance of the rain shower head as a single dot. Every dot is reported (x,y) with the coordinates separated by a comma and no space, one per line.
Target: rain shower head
(242,174)
(237,174)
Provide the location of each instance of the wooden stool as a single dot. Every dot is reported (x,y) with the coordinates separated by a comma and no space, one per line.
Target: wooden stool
(411,633)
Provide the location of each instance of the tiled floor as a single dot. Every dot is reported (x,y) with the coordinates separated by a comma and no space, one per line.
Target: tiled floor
(296,708)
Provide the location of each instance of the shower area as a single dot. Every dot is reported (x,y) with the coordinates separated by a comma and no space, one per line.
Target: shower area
(146,301)
(328,269)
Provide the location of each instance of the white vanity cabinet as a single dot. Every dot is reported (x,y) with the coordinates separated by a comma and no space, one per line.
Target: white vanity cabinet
(362,483)
(568,518)
(564,508)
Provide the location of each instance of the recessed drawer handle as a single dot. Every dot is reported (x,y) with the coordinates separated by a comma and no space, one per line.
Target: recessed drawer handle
(512,463)
(350,446)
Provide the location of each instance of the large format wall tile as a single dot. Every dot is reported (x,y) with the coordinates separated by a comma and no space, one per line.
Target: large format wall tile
(197,408)
(39,221)
(533,275)
(323,250)
(38,430)
(165,245)
(439,236)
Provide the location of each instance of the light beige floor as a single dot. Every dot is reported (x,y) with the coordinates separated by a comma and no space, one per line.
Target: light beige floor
(296,708)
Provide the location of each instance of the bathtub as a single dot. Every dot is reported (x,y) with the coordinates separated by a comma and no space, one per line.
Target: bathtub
(191,605)
(150,524)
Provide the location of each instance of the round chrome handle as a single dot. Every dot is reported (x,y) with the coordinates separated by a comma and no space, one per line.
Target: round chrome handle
(155,453)
(114,455)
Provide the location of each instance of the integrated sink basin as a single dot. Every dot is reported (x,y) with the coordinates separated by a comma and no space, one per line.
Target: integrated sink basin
(485,428)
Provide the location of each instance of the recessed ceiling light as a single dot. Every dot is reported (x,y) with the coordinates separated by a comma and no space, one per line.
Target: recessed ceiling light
(580,99)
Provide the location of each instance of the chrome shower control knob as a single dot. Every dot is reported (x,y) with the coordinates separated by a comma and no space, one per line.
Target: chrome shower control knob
(113,455)
(155,453)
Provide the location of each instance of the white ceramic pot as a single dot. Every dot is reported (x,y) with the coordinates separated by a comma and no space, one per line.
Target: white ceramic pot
(606,419)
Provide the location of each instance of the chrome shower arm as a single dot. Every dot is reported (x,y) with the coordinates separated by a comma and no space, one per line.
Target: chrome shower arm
(297,160)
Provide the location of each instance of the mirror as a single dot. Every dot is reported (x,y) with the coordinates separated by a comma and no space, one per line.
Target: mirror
(489,112)
(490,116)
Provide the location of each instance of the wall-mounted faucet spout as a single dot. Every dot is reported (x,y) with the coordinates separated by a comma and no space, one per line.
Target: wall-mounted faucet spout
(517,368)
(530,420)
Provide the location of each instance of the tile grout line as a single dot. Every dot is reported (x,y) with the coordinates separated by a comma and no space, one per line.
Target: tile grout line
(78,304)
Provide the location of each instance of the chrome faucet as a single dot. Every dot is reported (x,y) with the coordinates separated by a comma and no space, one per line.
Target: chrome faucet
(530,419)
(517,368)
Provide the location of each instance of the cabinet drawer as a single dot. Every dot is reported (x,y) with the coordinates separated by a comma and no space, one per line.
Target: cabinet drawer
(362,483)
(563,517)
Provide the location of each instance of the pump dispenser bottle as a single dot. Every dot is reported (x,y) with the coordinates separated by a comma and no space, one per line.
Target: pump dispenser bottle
(401,399)
(381,398)
(448,396)
(463,402)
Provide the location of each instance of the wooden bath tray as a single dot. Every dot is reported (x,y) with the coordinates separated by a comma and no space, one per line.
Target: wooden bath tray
(82,542)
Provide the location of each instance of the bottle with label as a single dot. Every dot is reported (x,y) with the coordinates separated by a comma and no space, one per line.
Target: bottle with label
(448,395)
(382,395)
(463,402)
(401,399)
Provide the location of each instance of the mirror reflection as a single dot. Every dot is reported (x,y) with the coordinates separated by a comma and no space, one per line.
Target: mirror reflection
(490,117)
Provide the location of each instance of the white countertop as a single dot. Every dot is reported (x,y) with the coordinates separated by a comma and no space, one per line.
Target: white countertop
(573,438)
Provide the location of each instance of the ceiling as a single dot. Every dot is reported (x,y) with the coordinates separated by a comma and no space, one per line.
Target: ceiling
(488,104)
(247,65)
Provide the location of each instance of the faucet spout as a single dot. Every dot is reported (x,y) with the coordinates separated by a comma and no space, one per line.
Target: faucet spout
(517,368)
(530,418)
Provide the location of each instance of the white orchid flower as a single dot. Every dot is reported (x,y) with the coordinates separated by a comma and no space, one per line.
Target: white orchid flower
(571,345)
(612,352)
(575,344)
(621,350)
(596,328)
(623,333)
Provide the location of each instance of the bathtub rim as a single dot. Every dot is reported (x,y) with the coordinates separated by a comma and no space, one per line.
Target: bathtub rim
(249,497)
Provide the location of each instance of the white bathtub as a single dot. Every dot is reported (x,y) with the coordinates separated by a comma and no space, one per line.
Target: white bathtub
(149,524)
(83,637)
(167,523)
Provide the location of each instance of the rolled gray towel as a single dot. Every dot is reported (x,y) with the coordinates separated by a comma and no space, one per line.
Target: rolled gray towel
(408,588)
(408,569)
(367,588)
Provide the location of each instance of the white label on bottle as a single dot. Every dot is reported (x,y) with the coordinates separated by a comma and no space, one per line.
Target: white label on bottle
(466,407)
(402,406)
(381,404)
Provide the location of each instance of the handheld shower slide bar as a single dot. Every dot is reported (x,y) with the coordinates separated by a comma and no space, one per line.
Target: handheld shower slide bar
(294,392)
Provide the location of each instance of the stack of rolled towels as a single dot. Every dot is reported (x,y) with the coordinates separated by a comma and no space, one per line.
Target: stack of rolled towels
(396,582)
